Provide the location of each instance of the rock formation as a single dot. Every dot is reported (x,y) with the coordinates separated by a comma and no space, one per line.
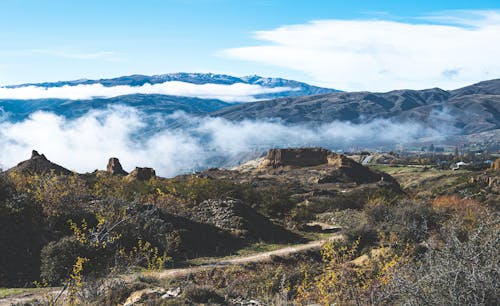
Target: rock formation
(300,157)
(340,168)
(114,167)
(142,174)
(496,165)
(39,164)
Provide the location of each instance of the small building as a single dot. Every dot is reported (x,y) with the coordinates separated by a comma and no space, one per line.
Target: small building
(458,165)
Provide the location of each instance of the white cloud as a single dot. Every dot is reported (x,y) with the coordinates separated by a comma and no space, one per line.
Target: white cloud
(383,55)
(238,92)
(85,143)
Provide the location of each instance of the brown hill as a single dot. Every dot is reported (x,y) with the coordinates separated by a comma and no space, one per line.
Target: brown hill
(241,220)
(39,164)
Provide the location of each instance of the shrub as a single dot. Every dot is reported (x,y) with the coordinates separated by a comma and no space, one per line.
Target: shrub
(464,270)
(410,221)
(466,208)
(364,233)
(22,235)
(58,258)
(202,294)
(344,283)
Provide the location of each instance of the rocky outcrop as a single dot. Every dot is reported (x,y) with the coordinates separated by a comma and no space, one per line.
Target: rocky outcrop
(341,169)
(496,165)
(347,170)
(239,219)
(39,164)
(141,174)
(114,167)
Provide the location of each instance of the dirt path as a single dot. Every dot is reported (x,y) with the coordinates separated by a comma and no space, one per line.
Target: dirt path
(254,258)
(29,295)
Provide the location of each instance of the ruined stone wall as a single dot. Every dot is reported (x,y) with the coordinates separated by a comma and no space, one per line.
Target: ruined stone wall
(300,157)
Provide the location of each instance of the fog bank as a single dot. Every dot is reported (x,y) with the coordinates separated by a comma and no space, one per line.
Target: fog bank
(179,143)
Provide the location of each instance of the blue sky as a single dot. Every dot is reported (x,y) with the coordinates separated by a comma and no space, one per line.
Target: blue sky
(61,40)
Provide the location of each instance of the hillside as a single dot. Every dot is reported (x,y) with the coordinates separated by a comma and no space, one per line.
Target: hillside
(149,104)
(250,235)
(467,110)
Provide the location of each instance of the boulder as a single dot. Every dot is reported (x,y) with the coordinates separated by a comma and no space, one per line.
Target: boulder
(114,167)
(172,293)
(142,174)
(140,296)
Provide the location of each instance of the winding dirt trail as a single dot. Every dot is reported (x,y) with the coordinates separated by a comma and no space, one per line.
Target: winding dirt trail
(179,272)
(241,260)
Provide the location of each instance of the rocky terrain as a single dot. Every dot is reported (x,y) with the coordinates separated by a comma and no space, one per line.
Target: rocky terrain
(270,231)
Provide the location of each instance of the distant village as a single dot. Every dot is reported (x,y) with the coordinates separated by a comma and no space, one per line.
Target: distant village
(467,156)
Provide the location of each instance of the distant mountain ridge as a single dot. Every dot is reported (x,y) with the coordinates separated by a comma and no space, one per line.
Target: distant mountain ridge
(299,88)
(471,109)
(18,109)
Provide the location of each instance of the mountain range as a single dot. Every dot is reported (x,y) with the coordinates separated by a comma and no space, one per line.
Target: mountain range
(151,103)
(469,110)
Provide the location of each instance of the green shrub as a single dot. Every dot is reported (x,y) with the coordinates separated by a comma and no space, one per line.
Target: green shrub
(411,222)
(364,233)
(22,236)
(202,294)
(58,258)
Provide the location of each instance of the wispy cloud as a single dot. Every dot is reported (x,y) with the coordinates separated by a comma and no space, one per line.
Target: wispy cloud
(238,92)
(384,54)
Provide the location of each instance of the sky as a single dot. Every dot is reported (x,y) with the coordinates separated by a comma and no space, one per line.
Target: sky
(348,45)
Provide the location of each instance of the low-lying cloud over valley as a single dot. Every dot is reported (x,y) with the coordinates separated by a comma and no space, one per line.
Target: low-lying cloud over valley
(179,143)
(238,92)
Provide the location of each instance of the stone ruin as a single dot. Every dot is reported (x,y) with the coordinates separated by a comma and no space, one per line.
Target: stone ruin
(142,174)
(304,157)
(340,166)
(299,157)
(114,168)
